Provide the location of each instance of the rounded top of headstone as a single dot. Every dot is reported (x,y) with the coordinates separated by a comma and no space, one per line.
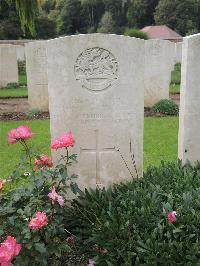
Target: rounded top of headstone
(96,68)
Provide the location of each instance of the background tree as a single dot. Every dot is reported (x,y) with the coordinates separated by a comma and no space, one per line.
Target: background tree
(9,21)
(70,20)
(27,11)
(141,13)
(45,27)
(118,10)
(107,24)
(183,16)
(93,11)
(132,32)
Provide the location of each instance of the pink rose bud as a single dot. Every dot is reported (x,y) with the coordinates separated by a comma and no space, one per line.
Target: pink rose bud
(19,133)
(91,263)
(171,216)
(1,184)
(54,196)
(44,160)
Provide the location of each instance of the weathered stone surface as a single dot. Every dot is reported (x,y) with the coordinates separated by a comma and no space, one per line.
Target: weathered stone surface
(178,52)
(36,67)
(96,90)
(189,121)
(20,52)
(159,62)
(8,65)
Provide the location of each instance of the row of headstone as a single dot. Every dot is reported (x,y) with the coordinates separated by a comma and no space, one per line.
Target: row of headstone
(159,62)
(96,86)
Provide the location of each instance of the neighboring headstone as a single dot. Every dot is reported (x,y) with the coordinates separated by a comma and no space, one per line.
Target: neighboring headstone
(36,67)
(8,65)
(20,52)
(189,121)
(178,52)
(159,62)
(96,90)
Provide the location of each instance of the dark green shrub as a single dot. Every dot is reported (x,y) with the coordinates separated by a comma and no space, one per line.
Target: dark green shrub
(176,74)
(12,85)
(127,224)
(33,113)
(136,33)
(22,67)
(167,107)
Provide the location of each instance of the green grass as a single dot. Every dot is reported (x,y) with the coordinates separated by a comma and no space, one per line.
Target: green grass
(13,92)
(176,74)
(10,154)
(160,141)
(22,79)
(174,88)
(175,79)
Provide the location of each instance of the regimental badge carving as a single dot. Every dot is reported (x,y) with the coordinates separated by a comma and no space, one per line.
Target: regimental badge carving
(96,69)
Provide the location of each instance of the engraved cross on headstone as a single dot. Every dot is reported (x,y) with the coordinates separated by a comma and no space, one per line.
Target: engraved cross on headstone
(97,151)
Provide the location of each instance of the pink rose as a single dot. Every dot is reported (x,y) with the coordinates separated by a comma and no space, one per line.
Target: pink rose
(39,221)
(56,197)
(65,141)
(44,160)
(8,250)
(91,263)
(19,133)
(1,184)
(171,216)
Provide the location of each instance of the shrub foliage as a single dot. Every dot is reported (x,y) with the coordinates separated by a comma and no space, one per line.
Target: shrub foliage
(128,225)
(167,107)
(132,32)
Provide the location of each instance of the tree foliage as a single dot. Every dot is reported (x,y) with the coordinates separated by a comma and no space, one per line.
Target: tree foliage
(60,17)
(141,13)
(69,20)
(183,16)
(136,33)
(107,24)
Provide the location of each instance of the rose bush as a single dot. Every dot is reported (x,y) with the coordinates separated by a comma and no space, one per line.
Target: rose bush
(34,211)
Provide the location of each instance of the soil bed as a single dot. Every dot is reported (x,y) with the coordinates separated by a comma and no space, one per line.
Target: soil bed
(17,109)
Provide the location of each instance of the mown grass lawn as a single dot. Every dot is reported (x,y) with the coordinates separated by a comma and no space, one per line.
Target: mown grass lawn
(22,79)
(160,141)
(175,79)
(174,88)
(15,92)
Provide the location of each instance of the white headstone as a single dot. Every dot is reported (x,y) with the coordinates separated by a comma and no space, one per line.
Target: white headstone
(159,62)
(8,65)
(20,52)
(178,52)
(96,90)
(189,121)
(36,67)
